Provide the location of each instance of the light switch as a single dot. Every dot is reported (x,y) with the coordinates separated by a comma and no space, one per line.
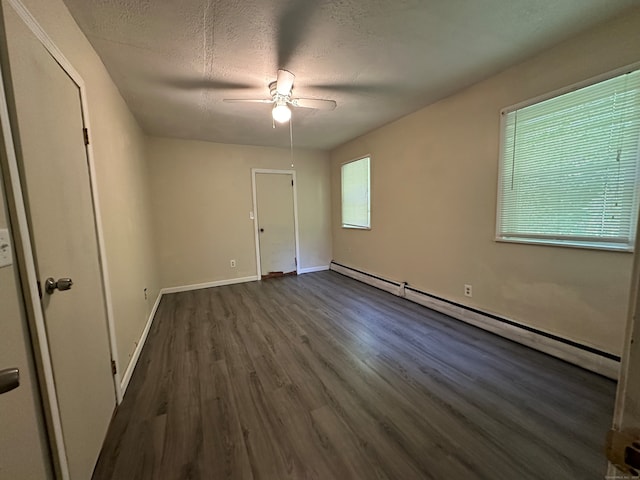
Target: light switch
(5,248)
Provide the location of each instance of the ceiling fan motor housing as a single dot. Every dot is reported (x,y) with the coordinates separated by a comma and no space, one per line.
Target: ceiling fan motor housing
(273,91)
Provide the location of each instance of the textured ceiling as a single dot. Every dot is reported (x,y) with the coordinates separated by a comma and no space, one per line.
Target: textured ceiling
(174,61)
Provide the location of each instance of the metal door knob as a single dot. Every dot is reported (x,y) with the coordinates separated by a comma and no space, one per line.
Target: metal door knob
(50,285)
(262,230)
(9,379)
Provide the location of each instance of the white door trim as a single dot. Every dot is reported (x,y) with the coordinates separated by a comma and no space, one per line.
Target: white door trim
(254,171)
(26,255)
(623,419)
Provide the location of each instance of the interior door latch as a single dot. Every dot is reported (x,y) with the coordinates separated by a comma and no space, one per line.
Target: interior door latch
(9,379)
(51,285)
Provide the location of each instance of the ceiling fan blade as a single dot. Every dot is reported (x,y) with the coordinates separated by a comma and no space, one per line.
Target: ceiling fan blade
(292,25)
(247,100)
(363,88)
(316,103)
(203,84)
(284,83)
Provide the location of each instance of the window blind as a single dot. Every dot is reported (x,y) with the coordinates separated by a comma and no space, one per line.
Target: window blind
(355,194)
(569,167)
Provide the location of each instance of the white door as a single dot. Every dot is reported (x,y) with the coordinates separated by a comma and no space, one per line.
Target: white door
(276,225)
(23,453)
(56,184)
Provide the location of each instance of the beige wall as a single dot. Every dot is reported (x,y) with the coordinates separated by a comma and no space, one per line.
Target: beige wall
(118,146)
(434,183)
(202,198)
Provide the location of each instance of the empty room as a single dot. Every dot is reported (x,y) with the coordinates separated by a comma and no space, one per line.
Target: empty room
(308,239)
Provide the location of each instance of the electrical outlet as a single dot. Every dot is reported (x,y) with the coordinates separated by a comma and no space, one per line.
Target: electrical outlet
(468,291)
(5,248)
(233,263)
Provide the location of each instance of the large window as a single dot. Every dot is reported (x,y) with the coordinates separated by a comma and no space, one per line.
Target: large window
(356,211)
(569,167)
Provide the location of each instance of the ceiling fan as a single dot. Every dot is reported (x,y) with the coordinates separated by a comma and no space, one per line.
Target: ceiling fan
(281,97)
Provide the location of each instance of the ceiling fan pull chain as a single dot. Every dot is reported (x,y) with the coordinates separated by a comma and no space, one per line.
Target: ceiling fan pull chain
(291,139)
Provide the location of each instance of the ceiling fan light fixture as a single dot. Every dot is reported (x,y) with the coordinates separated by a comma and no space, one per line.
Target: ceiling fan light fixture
(281,113)
(282,99)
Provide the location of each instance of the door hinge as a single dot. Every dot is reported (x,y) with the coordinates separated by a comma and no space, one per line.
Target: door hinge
(39,289)
(295,259)
(85,132)
(292,182)
(113,367)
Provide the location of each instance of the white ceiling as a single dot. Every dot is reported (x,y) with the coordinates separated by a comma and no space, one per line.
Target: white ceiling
(174,61)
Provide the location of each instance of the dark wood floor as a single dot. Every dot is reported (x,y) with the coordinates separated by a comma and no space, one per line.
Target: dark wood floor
(322,377)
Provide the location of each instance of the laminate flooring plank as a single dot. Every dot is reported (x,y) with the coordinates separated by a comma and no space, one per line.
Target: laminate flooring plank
(357,456)
(184,429)
(224,453)
(208,328)
(320,457)
(269,450)
(322,377)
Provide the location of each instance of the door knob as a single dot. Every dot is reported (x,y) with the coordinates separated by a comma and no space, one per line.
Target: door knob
(9,379)
(50,285)
(262,230)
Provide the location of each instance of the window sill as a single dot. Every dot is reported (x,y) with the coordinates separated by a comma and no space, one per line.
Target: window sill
(568,243)
(353,227)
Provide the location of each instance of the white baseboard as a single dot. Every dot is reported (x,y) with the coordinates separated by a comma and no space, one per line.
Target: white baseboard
(320,268)
(136,353)
(218,283)
(546,342)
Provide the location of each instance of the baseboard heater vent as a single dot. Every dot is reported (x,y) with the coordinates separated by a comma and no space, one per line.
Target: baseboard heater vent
(598,361)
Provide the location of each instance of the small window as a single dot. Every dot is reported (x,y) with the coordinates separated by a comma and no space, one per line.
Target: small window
(569,168)
(356,211)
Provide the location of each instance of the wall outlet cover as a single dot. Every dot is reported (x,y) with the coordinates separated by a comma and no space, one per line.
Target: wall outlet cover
(6,258)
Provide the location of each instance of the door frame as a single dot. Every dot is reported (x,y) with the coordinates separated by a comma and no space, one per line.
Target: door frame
(22,236)
(629,364)
(255,171)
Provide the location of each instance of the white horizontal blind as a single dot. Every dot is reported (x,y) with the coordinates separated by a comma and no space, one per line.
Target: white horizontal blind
(355,194)
(569,167)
